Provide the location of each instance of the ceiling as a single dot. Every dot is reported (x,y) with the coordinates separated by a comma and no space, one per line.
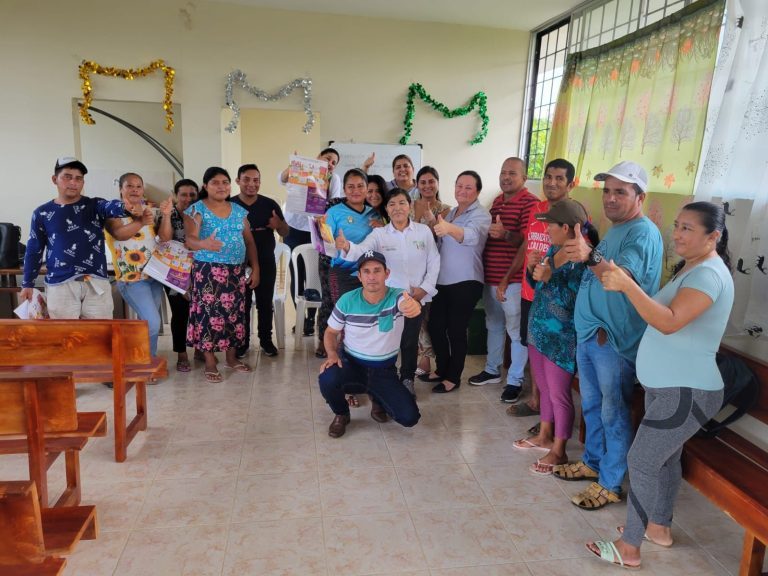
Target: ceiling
(510,14)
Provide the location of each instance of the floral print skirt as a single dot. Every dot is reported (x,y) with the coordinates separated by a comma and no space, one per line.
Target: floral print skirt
(217,307)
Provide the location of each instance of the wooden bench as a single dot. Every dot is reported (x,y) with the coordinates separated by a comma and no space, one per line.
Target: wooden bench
(32,539)
(733,473)
(114,351)
(41,408)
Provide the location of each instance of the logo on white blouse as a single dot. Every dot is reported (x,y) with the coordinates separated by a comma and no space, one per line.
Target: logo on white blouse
(71,251)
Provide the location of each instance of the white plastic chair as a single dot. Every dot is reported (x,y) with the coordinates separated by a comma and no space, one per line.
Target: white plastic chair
(310,257)
(282,261)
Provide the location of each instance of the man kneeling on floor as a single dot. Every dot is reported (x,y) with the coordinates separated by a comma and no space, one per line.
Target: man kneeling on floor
(372,318)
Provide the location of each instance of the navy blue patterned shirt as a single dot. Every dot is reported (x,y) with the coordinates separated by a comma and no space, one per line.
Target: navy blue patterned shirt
(72,236)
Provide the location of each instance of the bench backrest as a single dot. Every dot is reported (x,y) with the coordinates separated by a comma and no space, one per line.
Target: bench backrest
(73,342)
(21,530)
(56,403)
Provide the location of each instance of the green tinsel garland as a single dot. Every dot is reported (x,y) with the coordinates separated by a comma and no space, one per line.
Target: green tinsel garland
(479,100)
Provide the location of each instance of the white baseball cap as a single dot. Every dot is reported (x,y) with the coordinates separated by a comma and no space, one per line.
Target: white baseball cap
(627,172)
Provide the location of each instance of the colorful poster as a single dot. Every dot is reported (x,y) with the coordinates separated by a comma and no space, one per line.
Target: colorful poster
(35,309)
(171,264)
(322,238)
(307,186)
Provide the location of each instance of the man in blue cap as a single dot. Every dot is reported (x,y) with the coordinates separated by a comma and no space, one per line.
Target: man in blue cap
(372,318)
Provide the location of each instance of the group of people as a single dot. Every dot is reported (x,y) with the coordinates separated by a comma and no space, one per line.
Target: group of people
(408,273)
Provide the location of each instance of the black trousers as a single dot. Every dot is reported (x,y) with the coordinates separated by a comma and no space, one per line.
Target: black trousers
(264,293)
(409,347)
(179,319)
(448,322)
(297,238)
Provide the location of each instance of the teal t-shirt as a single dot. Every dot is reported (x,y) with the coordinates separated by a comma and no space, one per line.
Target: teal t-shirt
(686,358)
(356,226)
(637,247)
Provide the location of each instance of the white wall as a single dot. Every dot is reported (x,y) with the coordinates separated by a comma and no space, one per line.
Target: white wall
(360,67)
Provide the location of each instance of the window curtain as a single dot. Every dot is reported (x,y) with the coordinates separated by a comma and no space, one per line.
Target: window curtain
(735,166)
(643,98)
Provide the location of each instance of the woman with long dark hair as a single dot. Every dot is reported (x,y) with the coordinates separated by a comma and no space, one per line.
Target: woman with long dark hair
(676,366)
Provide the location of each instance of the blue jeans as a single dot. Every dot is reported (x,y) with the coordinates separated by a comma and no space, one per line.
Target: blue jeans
(502,318)
(381,383)
(606,381)
(145,297)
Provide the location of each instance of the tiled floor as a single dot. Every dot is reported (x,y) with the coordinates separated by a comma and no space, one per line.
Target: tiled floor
(241,478)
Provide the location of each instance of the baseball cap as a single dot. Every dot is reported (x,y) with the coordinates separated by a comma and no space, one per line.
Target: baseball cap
(70,162)
(566,211)
(371,255)
(627,172)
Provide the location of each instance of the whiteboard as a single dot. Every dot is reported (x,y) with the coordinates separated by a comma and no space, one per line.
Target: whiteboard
(353,154)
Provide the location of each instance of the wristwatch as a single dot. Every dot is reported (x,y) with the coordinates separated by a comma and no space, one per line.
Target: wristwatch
(594,258)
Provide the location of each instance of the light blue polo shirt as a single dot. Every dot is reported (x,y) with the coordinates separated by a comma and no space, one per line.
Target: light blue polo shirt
(637,247)
(686,358)
(356,226)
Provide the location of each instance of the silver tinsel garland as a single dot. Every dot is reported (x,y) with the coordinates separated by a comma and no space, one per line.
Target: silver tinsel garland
(238,78)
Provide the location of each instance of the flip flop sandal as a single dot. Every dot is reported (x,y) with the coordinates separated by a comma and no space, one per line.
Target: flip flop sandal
(352,401)
(526,444)
(213,376)
(239,367)
(609,553)
(419,372)
(183,366)
(595,497)
(620,530)
(574,472)
(540,468)
(522,410)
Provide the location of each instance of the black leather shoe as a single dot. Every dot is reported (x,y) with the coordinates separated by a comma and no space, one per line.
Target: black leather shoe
(268,348)
(338,426)
(378,413)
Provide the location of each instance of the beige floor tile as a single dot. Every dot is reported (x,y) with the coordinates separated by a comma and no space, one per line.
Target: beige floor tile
(117,503)
(440,486)
(519,569)
(279,422)
(509,484)
(414,446)
(363,446)
(493,445)
(276,548)
(547,530)
(187,551)
(97,461)
(464,537)
(278,455)
(277,496)
(350,491)
(480,416)
(97,557)
(209,425)
(188,501)
(201,459)
(371,544)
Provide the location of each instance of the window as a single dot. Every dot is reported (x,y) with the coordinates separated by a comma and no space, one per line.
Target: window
(590,26)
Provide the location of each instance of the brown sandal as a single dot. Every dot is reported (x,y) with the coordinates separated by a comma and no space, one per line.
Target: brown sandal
(574,471)
(595,497)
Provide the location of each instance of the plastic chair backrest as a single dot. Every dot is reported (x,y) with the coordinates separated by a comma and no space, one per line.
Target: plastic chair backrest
(282,261)
(310,257)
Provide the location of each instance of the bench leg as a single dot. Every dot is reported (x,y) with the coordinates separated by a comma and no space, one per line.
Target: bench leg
(752,556)
(119,416)
(71,496)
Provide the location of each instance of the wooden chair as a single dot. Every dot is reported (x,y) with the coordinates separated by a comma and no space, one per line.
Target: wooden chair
(41,407)
(31,538)
(114,351)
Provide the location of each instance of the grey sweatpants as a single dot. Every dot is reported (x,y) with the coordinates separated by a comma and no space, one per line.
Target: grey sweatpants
(672,416)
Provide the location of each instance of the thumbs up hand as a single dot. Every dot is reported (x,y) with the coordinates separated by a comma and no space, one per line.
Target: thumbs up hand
(442,228)
(542,272)
(497,228)
(614,279)
(369,162)
(341,242)
(211,243)
(166,206)
(576,249)
(274,221)
(408,306)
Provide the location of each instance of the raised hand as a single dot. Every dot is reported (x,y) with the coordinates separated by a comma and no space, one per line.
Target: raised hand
(212,244)
(497,228)
(542,272)
(341,242)
(614,279)
(369,162)
(577,249)
(166,206)
(442,228)
(274,221)
(408,306)
(147,216)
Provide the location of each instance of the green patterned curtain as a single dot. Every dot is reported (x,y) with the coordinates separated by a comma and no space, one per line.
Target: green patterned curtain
(643,98)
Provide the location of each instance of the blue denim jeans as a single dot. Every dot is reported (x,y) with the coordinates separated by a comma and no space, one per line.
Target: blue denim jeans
(381,383)
(606,381)
(145,297)
(502,318)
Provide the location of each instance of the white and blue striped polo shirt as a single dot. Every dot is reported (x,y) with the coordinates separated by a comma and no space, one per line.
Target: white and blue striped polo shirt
(372,332)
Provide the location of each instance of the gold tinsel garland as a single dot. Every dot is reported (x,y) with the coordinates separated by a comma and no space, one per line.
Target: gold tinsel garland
(88,67)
